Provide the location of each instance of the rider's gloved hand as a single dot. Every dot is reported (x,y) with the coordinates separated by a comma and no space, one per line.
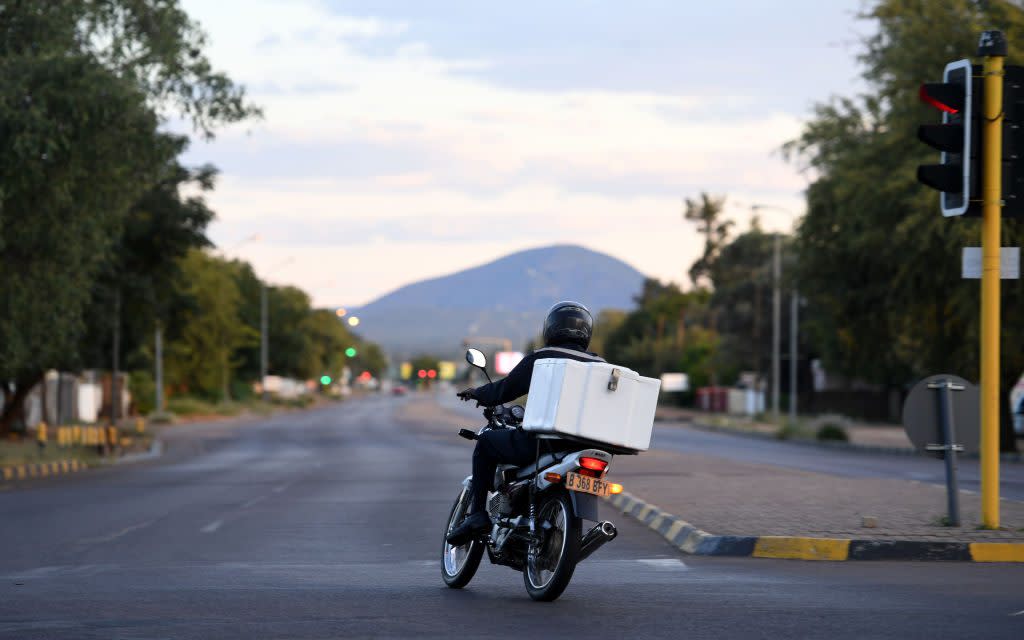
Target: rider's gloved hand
(466,394)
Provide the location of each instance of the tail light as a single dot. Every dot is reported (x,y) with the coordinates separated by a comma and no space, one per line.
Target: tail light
(594,464)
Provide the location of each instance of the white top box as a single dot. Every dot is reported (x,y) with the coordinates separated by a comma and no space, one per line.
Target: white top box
(592,400)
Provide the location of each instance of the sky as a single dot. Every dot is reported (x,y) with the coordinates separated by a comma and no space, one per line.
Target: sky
(407,139)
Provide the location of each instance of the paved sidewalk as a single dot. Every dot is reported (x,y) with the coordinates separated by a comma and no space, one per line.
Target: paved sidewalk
(744,501)
(864,434)
(725,497)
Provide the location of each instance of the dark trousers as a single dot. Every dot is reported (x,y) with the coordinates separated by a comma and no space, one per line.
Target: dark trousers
(498,446)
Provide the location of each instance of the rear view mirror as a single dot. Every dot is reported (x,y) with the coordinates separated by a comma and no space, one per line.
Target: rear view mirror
(476,358)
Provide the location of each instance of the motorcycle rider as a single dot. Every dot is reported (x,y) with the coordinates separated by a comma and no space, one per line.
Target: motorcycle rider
(567,331)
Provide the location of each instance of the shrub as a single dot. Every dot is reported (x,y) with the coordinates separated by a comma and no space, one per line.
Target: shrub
(832,432)
(143,390)
(787,431)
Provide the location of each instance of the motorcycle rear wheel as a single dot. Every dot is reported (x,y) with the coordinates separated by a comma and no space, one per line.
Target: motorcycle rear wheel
(547,574)
(459,564)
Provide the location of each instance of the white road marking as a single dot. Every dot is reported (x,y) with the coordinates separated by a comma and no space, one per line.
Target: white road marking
(1019,613)
(118,534)
(254,501)
(213,526)
(664,563)
(281,488)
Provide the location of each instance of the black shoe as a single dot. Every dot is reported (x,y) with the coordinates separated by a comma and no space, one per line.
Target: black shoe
(474,525)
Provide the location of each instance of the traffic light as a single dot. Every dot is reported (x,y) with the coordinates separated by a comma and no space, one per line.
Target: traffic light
(325,380)
(957,175)
(1013,141)
(351,352)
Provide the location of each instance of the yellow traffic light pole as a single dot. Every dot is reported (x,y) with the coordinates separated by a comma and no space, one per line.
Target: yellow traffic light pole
(993,47)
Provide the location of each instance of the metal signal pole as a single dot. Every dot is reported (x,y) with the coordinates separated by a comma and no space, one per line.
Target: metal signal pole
(993,47)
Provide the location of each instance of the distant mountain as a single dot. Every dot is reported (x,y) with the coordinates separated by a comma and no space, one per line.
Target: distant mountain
(501,299)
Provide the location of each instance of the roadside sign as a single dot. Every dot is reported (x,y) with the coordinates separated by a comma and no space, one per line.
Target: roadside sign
(1009,263)
(505,361)
(446,370)
(675,382)
(923,423)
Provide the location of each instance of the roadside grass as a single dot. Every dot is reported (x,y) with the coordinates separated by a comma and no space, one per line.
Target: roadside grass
(17,452)
(185,406)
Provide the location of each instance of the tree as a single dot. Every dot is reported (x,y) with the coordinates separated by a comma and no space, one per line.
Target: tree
(86,84)
(878,263)
(707,212)
(663,334)
(741,301)
(202,358)
(78,151)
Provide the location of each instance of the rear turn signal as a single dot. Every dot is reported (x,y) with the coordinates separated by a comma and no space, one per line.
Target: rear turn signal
(593,464)
(614,487)
(551,476)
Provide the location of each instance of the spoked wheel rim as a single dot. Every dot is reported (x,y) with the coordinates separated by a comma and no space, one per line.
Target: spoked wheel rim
(455,557)
(542,564)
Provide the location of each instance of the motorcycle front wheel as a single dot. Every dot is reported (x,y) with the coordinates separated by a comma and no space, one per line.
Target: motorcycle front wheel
(550,564)
(459,564)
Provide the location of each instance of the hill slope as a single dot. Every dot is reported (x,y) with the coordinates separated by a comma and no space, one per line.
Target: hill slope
(505,298)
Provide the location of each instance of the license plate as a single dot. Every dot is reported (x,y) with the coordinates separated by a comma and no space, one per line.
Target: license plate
(584,484)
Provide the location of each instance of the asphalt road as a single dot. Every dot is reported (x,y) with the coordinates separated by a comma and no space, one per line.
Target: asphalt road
(328,523)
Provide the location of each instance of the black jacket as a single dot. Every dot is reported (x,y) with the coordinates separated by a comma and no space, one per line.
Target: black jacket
(517,382)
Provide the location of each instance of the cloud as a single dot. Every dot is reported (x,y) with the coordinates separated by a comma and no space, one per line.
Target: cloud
(392,150)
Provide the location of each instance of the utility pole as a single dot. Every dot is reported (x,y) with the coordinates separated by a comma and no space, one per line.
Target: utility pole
(776,324)
(159,364)
(263,339)
(794,329)
(115,395)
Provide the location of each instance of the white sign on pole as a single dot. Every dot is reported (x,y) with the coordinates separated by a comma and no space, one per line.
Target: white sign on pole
(675,382)
(1009,263)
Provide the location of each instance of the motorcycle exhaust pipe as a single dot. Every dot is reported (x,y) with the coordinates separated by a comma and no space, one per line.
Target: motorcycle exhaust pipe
(593,540)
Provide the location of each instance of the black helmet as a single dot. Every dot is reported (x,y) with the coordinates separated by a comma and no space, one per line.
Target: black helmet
(568,324)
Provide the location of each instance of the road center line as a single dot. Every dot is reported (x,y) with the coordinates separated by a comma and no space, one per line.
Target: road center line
(254,501)
(213,526)
(118,534)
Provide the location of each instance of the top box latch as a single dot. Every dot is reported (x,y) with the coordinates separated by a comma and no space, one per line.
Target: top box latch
(613,381)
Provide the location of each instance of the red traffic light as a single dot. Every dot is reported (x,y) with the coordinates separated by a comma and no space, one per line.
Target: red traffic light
(432,374)
(422,373)
(944,96)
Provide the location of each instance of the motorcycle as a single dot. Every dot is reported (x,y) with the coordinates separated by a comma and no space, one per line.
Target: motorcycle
(537,511)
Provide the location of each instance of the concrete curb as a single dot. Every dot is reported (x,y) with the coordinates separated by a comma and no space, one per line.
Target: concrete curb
(689,539)
(156,449)
(41,469)
(843,446)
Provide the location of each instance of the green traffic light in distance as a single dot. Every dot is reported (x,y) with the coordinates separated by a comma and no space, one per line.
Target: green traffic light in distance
(350,352)
(325,379)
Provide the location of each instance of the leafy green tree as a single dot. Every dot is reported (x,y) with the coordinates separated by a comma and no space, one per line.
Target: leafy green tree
(878,263)
(143,265)
(742,300)
(707,212)
(664,334)
(202,358)
(86,84)
(78,151)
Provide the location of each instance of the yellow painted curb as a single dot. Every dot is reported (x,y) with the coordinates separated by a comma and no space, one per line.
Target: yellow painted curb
(801,548)
(997,552)
(674,530)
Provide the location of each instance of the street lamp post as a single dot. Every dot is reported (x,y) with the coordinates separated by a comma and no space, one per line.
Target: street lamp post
(777,325)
